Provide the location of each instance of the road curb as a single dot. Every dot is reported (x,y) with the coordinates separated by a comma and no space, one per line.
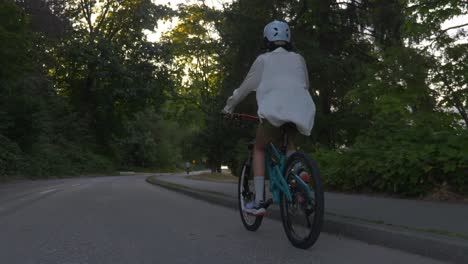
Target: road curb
(424,244)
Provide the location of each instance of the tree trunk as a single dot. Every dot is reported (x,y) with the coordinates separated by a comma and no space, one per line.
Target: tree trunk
(325,39)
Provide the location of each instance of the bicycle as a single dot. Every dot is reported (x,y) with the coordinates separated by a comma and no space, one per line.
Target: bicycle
(294,193)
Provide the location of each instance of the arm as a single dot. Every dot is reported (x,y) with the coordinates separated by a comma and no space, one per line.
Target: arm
(251,82)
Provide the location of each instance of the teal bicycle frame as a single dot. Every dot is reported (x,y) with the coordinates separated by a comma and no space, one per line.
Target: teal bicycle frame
(275,163)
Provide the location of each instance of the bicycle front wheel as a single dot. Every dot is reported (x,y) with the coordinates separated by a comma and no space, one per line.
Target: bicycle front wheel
(246,193)
(302,216)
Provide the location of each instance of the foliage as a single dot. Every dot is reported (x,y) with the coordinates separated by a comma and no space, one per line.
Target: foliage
(411,159)
(68,93)
(150,142)
(48,160)
(11,158)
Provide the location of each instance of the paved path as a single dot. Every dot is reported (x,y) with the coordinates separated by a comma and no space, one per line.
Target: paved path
(126,220)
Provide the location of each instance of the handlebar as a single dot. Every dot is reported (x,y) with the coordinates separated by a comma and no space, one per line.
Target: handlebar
(242,116)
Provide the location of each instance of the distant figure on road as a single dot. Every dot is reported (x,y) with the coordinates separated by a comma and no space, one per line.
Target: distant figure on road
(187,167)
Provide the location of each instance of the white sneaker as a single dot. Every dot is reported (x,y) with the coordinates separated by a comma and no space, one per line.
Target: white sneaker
(253,208)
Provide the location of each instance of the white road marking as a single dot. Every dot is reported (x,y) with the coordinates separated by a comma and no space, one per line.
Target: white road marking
(48,191)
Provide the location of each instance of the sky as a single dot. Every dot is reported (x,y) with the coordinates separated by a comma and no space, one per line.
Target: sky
(165,26)
(459,20)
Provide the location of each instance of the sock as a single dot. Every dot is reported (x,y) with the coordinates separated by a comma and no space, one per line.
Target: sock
(259,182)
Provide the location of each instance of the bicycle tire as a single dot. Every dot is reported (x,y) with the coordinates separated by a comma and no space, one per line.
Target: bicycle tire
(250,222)
(318,207)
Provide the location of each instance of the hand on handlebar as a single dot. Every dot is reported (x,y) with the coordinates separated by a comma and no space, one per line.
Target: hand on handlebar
(227,114)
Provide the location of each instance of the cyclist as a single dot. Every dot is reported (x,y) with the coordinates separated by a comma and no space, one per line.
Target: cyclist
(187,167)
(281,82)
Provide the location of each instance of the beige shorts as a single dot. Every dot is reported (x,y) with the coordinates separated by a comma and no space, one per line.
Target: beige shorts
(273,134)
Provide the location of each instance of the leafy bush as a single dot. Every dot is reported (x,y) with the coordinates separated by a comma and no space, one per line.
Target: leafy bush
(11,158)
(65,160)
(150,142)
(410,160)
(47,159)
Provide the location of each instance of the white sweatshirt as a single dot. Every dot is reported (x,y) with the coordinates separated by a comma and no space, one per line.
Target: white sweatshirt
(282,84)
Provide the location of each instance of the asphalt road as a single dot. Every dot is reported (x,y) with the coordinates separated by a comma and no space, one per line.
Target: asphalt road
(125,220)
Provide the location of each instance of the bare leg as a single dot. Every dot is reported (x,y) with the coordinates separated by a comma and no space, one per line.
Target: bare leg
(259,164)
(259,153)
(261,142)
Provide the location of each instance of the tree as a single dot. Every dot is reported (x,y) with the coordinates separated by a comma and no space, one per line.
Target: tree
(107,68)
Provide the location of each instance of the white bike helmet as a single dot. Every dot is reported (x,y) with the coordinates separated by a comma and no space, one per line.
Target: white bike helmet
(277,31)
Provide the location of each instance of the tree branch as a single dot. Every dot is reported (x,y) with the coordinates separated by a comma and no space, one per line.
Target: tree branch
(104,14)
(353,31)
(454,99)
(87,13)
(441,33)
(454,27)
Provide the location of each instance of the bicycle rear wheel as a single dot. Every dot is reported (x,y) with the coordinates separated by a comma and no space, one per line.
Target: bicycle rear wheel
(303,216)
(246,193)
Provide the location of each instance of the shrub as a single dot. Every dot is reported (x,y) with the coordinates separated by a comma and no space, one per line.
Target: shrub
(411,160)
